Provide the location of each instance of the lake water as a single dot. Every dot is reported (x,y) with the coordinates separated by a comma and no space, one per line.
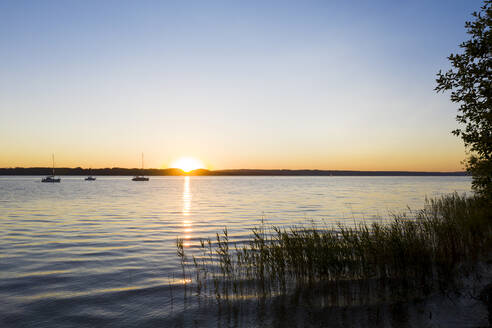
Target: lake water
(103,253)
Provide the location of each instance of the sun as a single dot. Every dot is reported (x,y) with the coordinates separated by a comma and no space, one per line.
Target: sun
(188,164)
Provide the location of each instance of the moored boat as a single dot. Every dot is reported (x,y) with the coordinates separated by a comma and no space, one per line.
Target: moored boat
(51,178)
(140,177)
(90,177)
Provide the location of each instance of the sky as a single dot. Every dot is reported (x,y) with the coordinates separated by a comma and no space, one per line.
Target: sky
(235,84)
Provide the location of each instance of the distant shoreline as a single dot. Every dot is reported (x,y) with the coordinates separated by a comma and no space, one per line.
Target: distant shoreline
(116,171)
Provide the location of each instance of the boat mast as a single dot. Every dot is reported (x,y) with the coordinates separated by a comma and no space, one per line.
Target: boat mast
(53,160)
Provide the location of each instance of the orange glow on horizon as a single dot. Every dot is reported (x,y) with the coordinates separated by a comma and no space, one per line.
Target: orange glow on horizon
(423,158)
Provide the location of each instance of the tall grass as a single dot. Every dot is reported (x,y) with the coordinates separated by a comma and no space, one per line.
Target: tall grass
(420,253)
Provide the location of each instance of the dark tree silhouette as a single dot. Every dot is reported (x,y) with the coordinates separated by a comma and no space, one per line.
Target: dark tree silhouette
(470,83)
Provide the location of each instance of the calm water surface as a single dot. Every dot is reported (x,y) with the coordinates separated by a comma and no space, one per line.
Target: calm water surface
(101,253)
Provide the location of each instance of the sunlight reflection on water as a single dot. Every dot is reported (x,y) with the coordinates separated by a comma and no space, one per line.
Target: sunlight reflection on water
(187,223)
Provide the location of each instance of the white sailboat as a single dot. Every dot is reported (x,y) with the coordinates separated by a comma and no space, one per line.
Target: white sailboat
(90,177)
(51,178)
(141,177)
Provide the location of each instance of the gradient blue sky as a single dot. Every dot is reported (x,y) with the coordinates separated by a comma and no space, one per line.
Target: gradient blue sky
(237,84)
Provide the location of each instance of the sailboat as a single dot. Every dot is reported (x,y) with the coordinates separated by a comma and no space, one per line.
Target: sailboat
(140,177)
(51,178)
(90,177)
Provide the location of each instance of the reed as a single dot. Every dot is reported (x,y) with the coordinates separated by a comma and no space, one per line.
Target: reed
(420,253)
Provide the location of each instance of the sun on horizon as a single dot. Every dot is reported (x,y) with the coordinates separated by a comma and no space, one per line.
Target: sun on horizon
(188,164)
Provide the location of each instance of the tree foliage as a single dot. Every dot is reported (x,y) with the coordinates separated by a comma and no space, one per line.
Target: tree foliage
(470,83)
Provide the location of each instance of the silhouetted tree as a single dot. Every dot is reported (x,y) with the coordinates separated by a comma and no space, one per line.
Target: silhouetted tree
(470,83)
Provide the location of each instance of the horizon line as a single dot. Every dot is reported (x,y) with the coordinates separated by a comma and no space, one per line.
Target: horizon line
(204,170)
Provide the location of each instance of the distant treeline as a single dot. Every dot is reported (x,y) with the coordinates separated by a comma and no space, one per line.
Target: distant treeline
(115,171)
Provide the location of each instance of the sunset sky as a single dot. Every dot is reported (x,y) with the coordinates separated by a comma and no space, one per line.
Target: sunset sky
(235,84)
